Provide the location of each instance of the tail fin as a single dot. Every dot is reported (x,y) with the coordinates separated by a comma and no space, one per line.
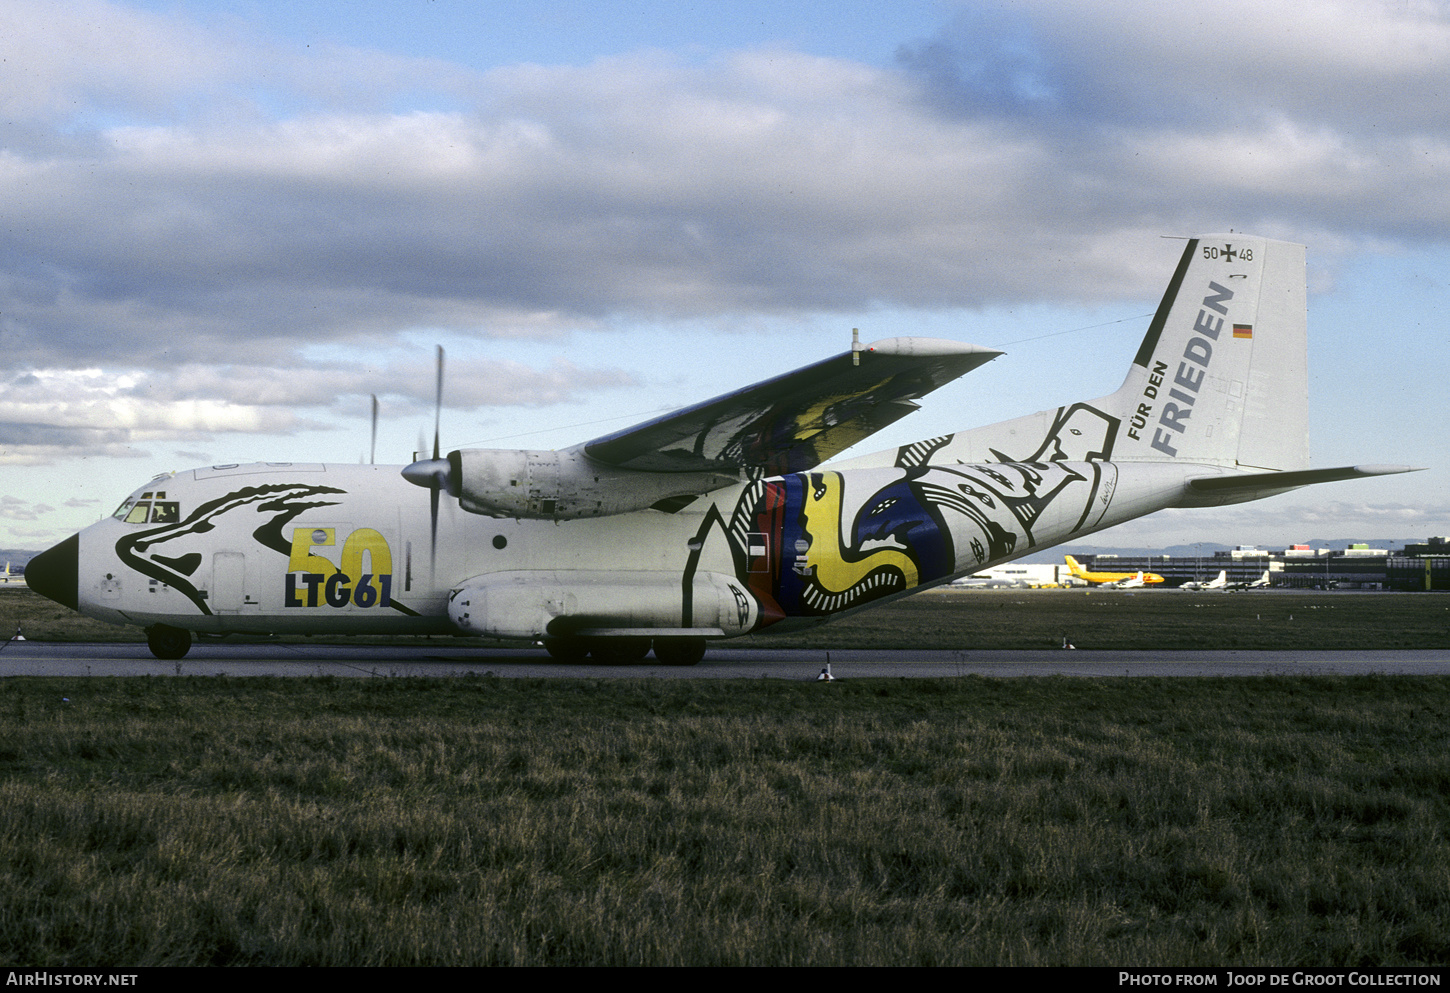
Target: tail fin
(1074,568)
(1221,376)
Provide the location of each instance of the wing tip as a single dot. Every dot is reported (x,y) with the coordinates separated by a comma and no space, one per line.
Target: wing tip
(930,348)
(1386,470)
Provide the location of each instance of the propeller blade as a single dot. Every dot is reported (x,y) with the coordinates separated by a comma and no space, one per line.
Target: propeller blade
(373,454)
(437,474)
(433,533)
(442,479)
(438,404)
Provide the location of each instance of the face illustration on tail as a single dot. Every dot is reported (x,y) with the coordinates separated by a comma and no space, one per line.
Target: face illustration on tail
(829,570)
(1079,433)
(847,539)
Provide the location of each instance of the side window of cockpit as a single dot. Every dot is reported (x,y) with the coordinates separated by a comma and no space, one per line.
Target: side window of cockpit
(151,508)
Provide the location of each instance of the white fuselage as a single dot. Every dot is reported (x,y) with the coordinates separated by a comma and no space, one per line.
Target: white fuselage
(325,548)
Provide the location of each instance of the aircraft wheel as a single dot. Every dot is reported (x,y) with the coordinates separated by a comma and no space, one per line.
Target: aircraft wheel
(167,642)
(679,651)
(566,649)
(619,651)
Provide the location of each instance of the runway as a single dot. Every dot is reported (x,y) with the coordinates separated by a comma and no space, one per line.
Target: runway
(31,658)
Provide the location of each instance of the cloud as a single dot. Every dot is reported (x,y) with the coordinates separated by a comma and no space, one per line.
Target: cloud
(195,223)
(89,412)
(15,509)
(84,63)
(92,412)
(764,181)
(1140,66)
(35,534)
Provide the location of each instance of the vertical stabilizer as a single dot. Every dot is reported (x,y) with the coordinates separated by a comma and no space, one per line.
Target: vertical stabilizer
(1221,376)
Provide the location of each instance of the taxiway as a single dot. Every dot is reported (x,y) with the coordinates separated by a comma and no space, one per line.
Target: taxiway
(32,658)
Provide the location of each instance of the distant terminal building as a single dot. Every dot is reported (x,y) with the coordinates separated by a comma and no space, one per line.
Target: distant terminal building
(1435,546)
(1418,566)
(1356,567)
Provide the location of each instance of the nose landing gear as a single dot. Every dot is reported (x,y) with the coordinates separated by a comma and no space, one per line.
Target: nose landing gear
(167,642)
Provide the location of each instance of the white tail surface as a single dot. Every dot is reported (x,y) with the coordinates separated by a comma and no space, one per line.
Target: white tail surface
(1221,376)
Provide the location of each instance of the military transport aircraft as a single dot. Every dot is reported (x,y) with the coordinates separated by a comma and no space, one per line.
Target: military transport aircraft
(1217,583)
(721,519)
(1257,584)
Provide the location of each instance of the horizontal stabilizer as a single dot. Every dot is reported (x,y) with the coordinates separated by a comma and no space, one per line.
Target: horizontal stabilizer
(1240,482)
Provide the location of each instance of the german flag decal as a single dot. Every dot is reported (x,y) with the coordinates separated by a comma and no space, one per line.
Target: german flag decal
(1243,330)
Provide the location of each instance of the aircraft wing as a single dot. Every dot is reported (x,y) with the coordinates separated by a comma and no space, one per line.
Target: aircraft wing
(796,421)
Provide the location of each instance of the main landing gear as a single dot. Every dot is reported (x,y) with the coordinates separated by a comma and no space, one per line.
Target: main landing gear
(167,642)
(170,643)
(622,651)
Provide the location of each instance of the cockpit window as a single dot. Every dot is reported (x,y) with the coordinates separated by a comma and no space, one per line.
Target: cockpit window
(149,508)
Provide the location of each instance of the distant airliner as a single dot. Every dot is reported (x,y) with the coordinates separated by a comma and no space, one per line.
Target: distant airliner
(721,519)
(1121,579)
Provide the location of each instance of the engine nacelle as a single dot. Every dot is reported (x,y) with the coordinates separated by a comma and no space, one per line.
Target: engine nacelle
(560,604)
(562,486)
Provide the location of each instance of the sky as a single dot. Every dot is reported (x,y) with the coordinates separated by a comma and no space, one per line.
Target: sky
(224,224)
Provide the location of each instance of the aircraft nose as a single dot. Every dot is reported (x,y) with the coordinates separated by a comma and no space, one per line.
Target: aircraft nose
(54,572)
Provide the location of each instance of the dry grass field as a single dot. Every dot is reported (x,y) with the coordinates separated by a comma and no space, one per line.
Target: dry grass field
(476,820)
(1255,821)
(1167,620)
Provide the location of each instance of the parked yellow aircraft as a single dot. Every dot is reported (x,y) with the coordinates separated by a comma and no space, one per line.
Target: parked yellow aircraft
(1136,578)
